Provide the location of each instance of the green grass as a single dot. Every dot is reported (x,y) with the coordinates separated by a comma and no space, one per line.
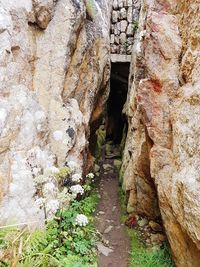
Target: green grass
(61,243)
(141,256)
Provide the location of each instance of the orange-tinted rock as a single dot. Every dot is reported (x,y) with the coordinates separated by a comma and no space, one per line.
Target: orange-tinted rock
(165,118)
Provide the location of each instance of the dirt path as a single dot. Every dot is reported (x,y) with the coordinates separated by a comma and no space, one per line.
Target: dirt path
(113,250)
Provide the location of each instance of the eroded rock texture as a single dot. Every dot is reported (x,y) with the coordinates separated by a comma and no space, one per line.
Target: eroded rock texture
(54,71)
(162,155)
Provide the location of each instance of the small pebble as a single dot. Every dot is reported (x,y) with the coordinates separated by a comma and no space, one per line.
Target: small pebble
(101,212)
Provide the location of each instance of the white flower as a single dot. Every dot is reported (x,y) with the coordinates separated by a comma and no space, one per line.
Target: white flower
(51,170)
(58,135)
(40,202)
(76,177)
(72,165)
(40,179)
(81,220)
(48,188)
(52,206)
(90,175)
(64,197)
(77,189)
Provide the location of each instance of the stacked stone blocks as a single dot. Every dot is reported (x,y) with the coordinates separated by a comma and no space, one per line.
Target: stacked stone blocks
(124,21)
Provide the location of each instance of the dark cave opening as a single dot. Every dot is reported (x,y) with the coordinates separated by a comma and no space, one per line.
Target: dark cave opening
(112,124)
(116,122)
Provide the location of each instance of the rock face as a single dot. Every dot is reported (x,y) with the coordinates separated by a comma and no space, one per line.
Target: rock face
(54,71)
(162,155)
(54,74)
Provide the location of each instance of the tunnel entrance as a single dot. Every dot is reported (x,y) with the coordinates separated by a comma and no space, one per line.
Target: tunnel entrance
(116,122)
(112,125)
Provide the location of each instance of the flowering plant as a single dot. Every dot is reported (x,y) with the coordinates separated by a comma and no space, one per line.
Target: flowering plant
(81,220)
(90,175)
(58,187)
(77,189)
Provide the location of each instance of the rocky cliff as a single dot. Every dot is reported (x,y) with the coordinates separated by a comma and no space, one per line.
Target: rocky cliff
(161,158)
(54,71)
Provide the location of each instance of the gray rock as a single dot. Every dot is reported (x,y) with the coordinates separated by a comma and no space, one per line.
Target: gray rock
(103,249)
(107,167)
(129,2)
(130,14)
(129,31)
(116,31)
(122,38)
(115,4)
(114,208)
(119,30)
(130,40)
(101,212)
(125,3)
(96,168)
(112,38)
(108,229)
(114,16)
(120,3)
(143,222)
(123,13)
(116,39)
(123,25)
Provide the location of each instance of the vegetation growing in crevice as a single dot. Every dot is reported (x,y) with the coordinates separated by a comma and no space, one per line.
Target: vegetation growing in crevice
(141,255)
(101,138)
(68,239)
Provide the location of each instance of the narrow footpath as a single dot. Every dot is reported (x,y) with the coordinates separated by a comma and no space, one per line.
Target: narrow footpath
(113,250)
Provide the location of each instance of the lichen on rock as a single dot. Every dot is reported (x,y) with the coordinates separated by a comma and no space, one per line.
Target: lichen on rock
(46,99)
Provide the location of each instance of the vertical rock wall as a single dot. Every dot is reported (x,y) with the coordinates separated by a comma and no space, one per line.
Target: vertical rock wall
(54,71)
(124,23)
(161,158)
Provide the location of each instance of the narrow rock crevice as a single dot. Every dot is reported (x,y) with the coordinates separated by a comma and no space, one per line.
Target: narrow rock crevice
(116,122)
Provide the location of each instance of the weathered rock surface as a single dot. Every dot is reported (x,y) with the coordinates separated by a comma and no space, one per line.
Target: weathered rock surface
(54,74)
(162,154)
(54,71)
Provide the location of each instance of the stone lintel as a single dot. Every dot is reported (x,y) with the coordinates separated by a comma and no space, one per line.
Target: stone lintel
(120,58)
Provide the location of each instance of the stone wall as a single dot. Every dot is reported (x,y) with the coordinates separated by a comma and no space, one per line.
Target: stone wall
(161,157)
(124,24)
(46,99)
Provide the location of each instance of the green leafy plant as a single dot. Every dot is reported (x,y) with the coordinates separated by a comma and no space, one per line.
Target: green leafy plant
(101,137)
(68,240)
(141,256)
(125,45)
(135,26)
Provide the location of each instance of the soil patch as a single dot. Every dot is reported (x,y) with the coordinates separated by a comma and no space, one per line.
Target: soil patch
(113,250)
